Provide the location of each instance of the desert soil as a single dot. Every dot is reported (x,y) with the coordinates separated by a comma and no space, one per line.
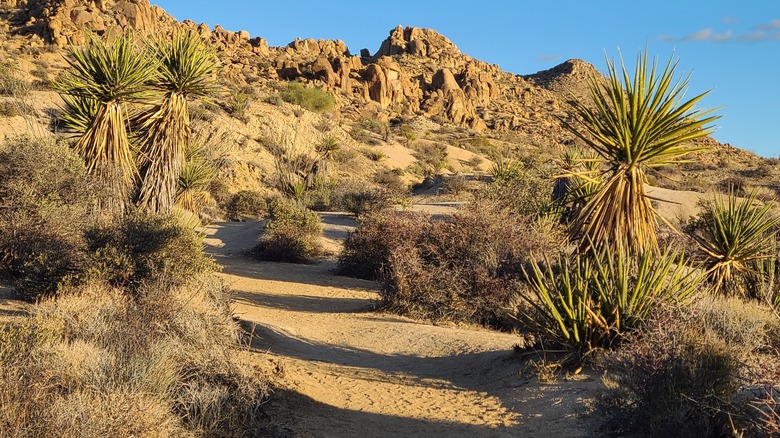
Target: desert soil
(344,369)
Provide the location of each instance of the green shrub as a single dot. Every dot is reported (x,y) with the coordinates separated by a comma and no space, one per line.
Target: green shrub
(466,268)
(46,199)
(291,234)
(310,98)
(237,104)
(246,204)
(738,243)
(431,157)
(145,248)
(523,191)
(367,201)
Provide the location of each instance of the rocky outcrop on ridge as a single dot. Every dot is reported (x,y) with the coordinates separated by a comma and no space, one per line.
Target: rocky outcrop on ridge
(415,72)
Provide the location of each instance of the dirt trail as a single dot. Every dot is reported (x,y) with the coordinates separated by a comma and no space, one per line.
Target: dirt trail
(349,371)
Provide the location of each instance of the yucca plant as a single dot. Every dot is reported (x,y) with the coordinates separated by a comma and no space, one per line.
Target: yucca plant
(579,181)
(506,170)
(193,188)
(186,69)
(737,238)
(634,124)
(586,301)
(103,77)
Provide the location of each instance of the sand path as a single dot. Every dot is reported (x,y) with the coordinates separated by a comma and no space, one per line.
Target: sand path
(349,371)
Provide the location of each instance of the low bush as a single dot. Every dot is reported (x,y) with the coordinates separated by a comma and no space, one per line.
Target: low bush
(45,204)
(310,98)
(11,83)
(143,249)
(521,190)
(466,268)
(246,204)
(365,201)
(706,371)
(291,234)
(95,362)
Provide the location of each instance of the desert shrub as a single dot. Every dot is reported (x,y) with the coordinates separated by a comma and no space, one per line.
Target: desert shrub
(523,191)
(45,203)
(391,180)
(733,184)
(246,204)
(11,84)
(431,157)
(203,112)
(16,108)
(463,269)
(95,362)
(374,155)
(408,134)
(705,371)
(144,248)
(365,201)
(291,234)
(738,244)
(455,184)
(237,103)
(310,98)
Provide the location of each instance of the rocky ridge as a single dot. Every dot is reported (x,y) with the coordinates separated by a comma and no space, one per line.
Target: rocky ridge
(415,72)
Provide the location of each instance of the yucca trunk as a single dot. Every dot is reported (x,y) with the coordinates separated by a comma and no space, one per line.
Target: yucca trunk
(620,214)
(105,148)
(166,135)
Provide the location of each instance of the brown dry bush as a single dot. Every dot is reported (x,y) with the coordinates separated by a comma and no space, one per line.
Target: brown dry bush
(466,268)
(95,362)
(705,371)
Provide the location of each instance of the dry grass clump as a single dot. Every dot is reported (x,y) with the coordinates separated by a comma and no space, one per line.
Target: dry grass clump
(466,268)
(96,362)
(705,371)
(291,234)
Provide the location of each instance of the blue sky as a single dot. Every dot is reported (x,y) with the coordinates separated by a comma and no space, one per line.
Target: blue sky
(730,47)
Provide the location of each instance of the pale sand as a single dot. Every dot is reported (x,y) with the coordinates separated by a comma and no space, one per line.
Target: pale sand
(349,371)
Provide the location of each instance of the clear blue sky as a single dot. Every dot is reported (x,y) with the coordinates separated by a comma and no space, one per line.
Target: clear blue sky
(730,47)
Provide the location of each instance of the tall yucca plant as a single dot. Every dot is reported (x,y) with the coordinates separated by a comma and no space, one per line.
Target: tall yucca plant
(104,76)
(634,123)
(736,236)
(186,68)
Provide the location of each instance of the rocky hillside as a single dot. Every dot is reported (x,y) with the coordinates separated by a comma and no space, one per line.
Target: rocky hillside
(416,77)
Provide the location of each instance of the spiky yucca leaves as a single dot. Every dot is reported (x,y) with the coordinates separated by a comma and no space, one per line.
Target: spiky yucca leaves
(736,236)
(587,300)
(103,76)
(193,188)
(634,124)
(78,113)
(186,69)
(579,181)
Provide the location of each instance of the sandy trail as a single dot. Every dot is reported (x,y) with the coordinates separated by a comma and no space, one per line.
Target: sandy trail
(349,371)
